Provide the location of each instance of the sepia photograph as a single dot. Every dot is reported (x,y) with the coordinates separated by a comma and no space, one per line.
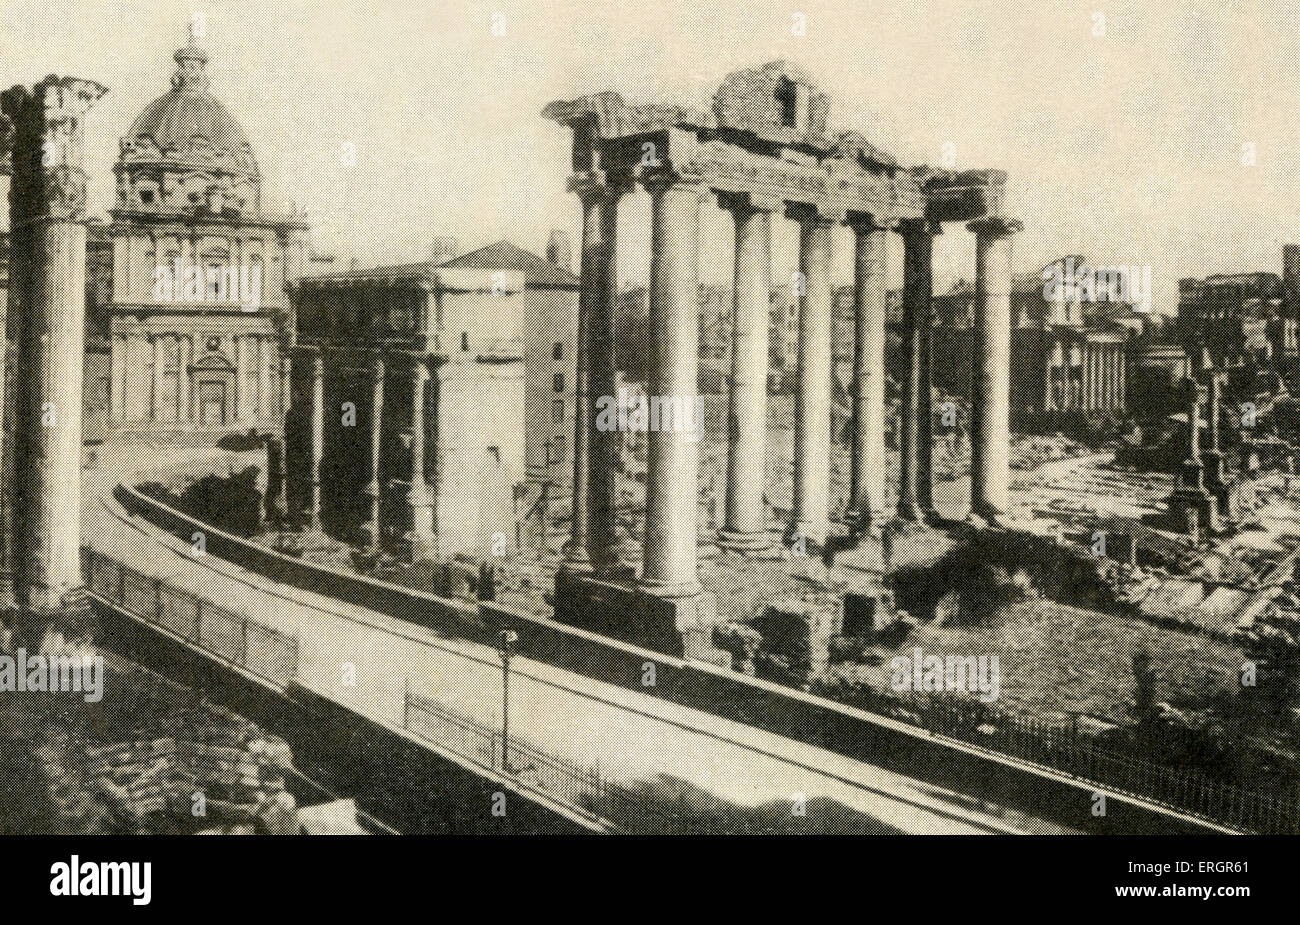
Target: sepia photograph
(692,420)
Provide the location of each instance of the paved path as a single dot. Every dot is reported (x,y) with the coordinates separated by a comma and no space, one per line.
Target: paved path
(636,740)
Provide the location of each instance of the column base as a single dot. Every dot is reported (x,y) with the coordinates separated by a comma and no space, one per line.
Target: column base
(576,561)
(669,590)
(985,516)
(48,628)
(799,530)
(743,541)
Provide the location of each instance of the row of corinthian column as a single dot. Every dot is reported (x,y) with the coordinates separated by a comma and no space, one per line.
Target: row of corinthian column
(669,563)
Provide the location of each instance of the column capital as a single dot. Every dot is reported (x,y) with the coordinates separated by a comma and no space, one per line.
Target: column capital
(917,227)
(599,185)
(865,223)
(46,125)
(742,204)
(996,226)
(659,179)
(808,213)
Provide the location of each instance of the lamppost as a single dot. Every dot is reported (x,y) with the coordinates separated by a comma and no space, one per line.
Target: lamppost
(506,640)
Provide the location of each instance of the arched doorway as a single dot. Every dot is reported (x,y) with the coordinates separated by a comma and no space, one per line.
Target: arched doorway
(214,392)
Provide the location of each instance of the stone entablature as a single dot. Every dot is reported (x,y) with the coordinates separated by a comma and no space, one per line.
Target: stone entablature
(767,136)
(444,313)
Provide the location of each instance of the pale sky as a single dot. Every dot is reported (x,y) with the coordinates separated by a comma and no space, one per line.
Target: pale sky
(1126,146)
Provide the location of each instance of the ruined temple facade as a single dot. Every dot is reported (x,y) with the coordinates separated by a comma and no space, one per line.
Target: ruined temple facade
(199,269)
(765,152)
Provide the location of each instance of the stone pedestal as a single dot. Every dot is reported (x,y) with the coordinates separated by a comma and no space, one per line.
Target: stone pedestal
(680,626)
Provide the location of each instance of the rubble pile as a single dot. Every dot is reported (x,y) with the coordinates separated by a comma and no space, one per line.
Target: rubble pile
(220,775)
(190,767)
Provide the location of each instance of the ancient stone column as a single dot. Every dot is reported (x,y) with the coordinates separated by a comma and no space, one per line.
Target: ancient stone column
(991,391)
(670,562)
(745,518)
(870,286)
(317,437)
(1048,360)
(590,191)
(418,500)
(606,445)
(810,507)
(48,217)
(264,380)
(117,383)
(159,359)
(915,268)
(184,357)
(1212,458)
(1085,380)
(276,502)
(1119,377)
(370,529)
(924,318)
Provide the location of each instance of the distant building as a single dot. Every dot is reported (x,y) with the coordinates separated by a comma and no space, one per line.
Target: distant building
(1068,353)
(549,324)
(1241,319)
(198,307)
(440,472)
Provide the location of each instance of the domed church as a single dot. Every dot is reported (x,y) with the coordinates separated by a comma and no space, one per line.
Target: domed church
(199,309)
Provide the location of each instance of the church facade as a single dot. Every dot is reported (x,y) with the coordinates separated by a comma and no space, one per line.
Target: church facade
(199,310)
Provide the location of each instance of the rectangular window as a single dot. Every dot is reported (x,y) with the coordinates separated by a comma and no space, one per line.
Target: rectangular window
(557,353)
(557,411)
(559,382)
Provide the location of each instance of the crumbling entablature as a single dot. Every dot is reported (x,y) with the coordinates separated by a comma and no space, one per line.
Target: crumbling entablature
(768,136)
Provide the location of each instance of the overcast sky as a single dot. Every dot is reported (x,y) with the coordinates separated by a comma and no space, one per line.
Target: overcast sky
(1126,146)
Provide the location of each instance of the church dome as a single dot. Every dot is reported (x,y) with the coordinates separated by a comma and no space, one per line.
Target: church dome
(184,143)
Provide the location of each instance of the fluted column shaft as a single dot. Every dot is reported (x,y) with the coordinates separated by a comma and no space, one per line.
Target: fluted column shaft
(670,563)
(590,192)
(870,282)
(991,392)
(606,444)
(47,218)
(745,517)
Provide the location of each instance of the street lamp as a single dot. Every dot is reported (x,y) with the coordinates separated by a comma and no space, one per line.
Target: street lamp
(506,640)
